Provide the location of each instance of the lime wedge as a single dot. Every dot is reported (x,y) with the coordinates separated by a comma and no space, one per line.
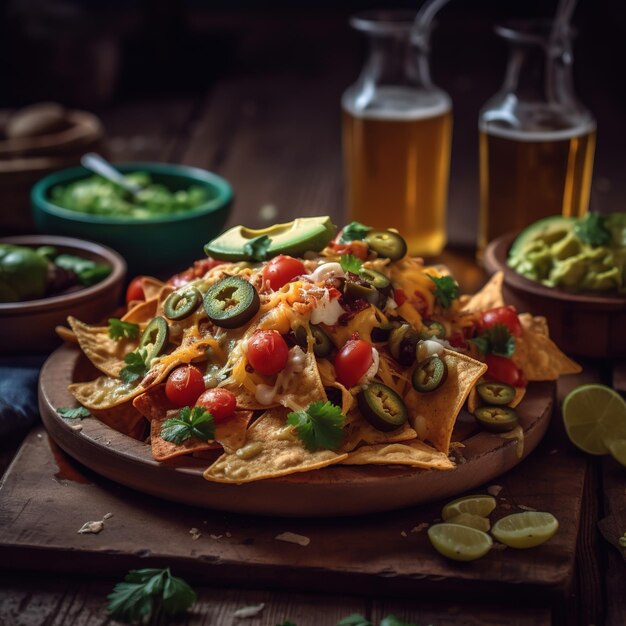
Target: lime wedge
(471,521)
(459,543)
(480,505)
(594,416)
(618,450)
(525,530)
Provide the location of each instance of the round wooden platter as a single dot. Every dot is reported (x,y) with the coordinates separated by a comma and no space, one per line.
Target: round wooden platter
(329,492)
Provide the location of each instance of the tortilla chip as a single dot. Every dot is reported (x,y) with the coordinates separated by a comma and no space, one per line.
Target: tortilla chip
(329,379)
(520,392)
(489,297)
(142,312)
(125,419)
(151,287)
(153,404)
(359,431)
(272,449)
(433,414)
(105,353)
(65,334)
(539,358)
(535,323)
(415,453)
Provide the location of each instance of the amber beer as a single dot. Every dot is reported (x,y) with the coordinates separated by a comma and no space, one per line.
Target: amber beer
(530,175)
(397,165)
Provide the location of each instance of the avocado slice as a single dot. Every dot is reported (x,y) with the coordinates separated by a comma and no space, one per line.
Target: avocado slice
(549,229)
(293,238)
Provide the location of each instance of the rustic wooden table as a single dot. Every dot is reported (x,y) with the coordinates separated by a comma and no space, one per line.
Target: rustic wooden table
(275,135)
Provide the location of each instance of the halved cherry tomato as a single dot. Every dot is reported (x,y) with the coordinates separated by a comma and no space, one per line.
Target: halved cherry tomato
(506,315)
(135,290)
(504,370)
(352,361)
(197,270)
(359,249)
(267,352)
(184,385)
(399,296)
(220,403)
(281,269)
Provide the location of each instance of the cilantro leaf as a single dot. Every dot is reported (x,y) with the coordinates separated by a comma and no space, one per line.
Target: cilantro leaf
(482,344)
(196,422)
(354,620)
(592,230)
(147,592)
(495,340)
(73,412)
(320,426)
(257,247)
(354,231)
(122,330)
(446,290)
(349,263)
(392,620)
(135,368)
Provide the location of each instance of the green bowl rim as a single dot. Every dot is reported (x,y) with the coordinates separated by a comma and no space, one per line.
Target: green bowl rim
(224,189)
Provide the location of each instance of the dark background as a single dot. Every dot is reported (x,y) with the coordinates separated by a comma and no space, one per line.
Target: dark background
(112,57)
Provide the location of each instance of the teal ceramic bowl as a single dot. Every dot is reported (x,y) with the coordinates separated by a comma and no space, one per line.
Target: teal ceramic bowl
(159,245)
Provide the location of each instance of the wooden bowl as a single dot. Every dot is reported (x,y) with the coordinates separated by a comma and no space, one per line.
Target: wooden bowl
(584,324)
(29,326)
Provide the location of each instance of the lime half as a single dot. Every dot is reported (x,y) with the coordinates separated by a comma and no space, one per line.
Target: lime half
(525,530)
(471,521)
(459,543)
(480,505)
(594,417)
(618,450)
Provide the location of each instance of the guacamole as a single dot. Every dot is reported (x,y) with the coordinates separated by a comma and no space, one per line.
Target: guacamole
(98,196)
(586,254)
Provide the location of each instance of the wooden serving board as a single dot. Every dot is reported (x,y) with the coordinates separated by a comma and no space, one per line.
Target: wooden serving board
(330,492)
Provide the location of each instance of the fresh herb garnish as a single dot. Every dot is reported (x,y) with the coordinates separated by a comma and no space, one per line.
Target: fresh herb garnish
(354,231)
(88,272)
(592,230)
(446,290)
(196,422)
(257,247)
(358,620)
(136,366)
(122,330)
(495,340)
(73,412)
(320,426)
(349,263)
(147,594)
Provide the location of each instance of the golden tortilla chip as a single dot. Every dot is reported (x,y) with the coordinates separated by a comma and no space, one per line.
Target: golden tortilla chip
(359,431)
(433,414)
(153,404)
(534,323)
(272,449)
(489,297)
(415,453)
(151,287)
(539,358)
(105,353)
(65,334)
(124,418)
(141,312)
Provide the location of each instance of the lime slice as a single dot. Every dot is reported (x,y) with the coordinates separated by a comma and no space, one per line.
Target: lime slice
(618,450)
(459,543)
(480,505)
(525,530)
(471,521)
(594,416)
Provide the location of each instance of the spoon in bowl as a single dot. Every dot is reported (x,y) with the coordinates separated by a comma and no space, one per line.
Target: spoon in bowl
(99,165)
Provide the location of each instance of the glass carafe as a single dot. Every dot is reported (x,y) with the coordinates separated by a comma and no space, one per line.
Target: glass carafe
(397,129)
(537,141)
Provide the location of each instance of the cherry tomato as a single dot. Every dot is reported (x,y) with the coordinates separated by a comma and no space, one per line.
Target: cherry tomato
(399,296)
(220,403)
(504,370)
(359,249)
(506,315)
(197,270)
(267,352)
(135,290)
(184,385)
(281,269)
(352,361)
(457,339)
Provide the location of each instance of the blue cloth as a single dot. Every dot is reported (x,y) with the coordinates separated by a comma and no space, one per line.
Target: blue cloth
(18,392)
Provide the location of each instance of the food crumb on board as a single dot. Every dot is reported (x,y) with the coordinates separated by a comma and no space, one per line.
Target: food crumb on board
(195,533)
(39,436)
(249,611)
(228,534)
(93,527)
(301,540)
(494,490)
(76,427)
(403,533)
(216,537)
(419,528)
(526,508)
(498,546)
(553,451)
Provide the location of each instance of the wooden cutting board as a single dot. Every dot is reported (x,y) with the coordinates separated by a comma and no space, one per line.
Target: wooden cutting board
(46,497)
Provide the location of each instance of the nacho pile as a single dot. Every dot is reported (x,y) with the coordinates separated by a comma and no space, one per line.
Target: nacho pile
(354,354)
